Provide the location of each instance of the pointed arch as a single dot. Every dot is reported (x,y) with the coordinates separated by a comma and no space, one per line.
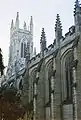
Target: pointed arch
(66,75)
(48,72)
(24,50)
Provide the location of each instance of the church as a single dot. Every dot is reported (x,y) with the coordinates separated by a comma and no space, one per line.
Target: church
(51,80)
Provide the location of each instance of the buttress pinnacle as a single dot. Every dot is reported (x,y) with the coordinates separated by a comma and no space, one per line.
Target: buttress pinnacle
(58,23)
(43,37)
(77,3)
(77,8)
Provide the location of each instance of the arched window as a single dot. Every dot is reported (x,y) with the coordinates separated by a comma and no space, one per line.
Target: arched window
(21,49)
(68,74)
(24,50)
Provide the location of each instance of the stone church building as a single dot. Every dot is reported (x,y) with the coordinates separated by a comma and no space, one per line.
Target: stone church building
(51,79)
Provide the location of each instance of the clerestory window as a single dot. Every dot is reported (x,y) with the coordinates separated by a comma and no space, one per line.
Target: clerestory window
(69,78)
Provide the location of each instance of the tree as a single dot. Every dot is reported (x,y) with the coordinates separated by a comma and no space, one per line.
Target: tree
(1,62)
(10,104)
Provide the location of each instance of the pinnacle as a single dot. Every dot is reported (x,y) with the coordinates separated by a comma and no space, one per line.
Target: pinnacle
(17,18)
(77,3)
(24,25)
(77,7)
(12,21)
(12,24)
(58,23)
(43,38)
(31,20)
(17,14)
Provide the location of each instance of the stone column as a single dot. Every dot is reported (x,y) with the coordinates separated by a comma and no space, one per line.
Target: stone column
(35,95)
(52,98)
(74,95)
(34,105)
(34,100)
(53,90)
(74,86)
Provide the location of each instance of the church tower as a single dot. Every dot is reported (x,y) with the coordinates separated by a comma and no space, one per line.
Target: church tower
(77,16)
(21,44)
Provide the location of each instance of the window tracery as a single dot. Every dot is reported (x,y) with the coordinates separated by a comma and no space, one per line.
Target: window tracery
(68,74)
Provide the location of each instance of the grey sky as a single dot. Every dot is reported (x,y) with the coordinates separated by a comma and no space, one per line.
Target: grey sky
(44,15)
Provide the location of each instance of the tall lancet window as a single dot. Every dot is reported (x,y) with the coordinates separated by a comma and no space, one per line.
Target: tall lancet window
(24,50)
(69,79)
(21,49)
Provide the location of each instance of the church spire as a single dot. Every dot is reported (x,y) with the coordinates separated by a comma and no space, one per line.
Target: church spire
(25,27)
(43,42)
(17,21)
(58,28)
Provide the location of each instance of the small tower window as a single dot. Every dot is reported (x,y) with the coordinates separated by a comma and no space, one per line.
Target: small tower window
(24,50)
(21,49)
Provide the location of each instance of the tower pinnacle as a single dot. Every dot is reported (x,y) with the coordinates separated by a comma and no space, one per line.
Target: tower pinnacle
(31,25)
(31,20)
(17,21)
(17,16)
(12,24)
(25,28)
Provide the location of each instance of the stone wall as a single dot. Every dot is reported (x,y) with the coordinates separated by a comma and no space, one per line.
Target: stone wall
(78,74)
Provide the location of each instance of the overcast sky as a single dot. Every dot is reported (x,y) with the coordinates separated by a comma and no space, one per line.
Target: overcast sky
(44,15)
